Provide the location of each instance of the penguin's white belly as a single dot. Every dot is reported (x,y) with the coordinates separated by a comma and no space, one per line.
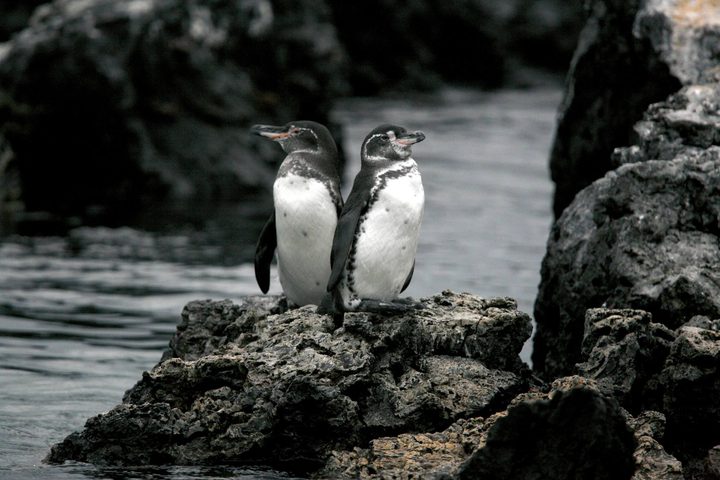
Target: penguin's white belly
(305,220)
(388,237)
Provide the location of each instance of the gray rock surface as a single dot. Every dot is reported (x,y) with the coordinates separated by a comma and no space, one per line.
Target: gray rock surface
(630,54)
(623,350)
(242,386)
(649,367)
(500,446)
(109,106)
(645,236)
(612,79)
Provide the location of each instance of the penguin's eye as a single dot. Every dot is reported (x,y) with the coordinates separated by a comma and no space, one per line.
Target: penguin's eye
(294,131)
(384,137)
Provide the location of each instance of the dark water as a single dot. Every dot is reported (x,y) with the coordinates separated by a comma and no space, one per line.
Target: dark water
(82,316)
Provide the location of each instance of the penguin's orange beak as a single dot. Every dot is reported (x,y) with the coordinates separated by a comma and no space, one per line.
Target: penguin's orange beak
(270,131)
(410,138)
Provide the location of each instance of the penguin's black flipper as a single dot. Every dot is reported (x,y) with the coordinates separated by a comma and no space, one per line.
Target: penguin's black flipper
(347,225)
(409,278)
(264,252)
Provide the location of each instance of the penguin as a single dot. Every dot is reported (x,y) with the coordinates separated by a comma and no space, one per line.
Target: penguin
(373,250)
(307,203)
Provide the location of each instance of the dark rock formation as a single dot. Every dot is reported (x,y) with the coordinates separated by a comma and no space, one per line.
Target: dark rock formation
(689,386)
(574,434)
(111,105)
(476,42)
(645,236)
(648,367)
(623,350)
(242,386)
(500,446)
(630,54)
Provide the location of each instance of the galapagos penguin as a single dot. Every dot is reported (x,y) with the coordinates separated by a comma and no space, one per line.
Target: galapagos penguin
(307,201)
(373,251)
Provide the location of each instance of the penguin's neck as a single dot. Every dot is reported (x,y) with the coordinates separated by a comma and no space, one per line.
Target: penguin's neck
(393,166)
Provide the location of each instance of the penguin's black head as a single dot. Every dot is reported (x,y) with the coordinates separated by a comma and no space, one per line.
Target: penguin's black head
(298,135)
(389,142)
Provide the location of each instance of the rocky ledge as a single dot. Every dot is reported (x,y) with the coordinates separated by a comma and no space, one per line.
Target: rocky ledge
(246,384)
(438,393)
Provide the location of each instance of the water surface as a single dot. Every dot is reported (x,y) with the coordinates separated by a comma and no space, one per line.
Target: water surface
(82,316)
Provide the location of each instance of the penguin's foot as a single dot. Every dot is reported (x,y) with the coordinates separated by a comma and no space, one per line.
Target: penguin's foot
(410,302)
(396,307)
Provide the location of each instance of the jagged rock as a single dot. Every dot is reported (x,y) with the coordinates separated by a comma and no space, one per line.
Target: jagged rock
(648,367)
(630,54)
(493,446)
(410,455)
(613,77)
(690,387)
(687,123)
(623,350)
(645,236)
(109,105)
(651,460)
(686,36)
(241,386)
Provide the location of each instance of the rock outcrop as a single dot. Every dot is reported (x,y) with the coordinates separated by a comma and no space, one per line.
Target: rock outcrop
(426,42)
(630,54)
(242,386)
(109,106)
(645,236)
(648,367)
(572,428)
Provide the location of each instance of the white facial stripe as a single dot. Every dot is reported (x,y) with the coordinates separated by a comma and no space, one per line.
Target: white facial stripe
(391,134)
(365,147)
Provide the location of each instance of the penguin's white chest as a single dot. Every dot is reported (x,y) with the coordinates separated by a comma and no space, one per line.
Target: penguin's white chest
(305,220)
(387,238)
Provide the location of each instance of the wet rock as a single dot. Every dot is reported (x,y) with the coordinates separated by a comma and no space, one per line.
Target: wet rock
(630,55)
(111,106)
(242,386)
(623,350)
(645,236)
